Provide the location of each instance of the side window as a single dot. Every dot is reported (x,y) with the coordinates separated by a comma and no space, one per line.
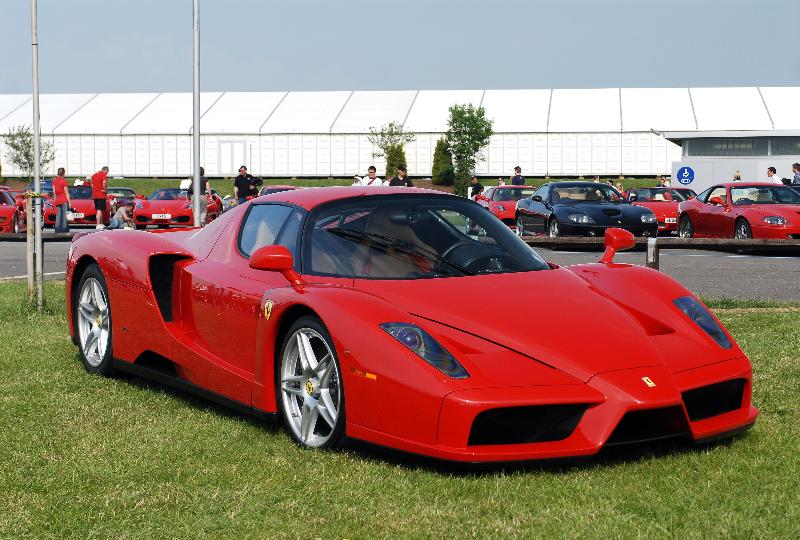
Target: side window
(717,192)
(262,226)
(703,197)
(488,193)
(542,192)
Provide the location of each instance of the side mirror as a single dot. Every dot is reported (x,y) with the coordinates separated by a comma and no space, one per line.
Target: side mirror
(632,197)
(276,259)
(716,201)
(138,196)
(616,240)
(537,198)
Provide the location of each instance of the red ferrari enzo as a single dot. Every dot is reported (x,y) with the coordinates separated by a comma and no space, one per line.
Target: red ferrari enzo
(344,311)
(663,202)
(742,210)
(502,201)
(170,207)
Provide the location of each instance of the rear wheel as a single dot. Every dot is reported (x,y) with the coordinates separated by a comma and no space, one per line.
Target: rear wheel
(685,227)
(92,316)
(743,230)
(520,226)
(309,386)
(552,228)
(15,227)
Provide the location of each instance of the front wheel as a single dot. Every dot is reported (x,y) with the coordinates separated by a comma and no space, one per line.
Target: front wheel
(685,228)
(552,228)
(309,386)
(743,230)
(92,315)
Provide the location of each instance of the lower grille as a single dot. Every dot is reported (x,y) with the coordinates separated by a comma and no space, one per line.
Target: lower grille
(520,425)
(649,425)
(713,400)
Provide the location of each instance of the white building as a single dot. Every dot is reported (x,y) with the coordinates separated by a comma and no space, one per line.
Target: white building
(558,132)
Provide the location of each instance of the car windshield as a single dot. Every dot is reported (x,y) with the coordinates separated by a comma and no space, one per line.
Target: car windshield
(512,194)
(741,196)
(121,192)
(588,193)
(412,237)
(660,195)
(80,192)
(167,194)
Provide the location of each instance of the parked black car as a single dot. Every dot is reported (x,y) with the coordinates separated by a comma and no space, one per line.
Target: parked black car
(581,209)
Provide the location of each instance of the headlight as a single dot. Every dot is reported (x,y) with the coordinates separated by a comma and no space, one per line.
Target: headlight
(188,206)
(139,204)
(427,348)
(648,218)
(774,220)
(698,313)
(580,218)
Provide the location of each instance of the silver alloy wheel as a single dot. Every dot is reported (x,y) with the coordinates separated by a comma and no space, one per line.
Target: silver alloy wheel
(743,231)
(310,389)
(16,225)
(93,322)
(553,228)
(685,228)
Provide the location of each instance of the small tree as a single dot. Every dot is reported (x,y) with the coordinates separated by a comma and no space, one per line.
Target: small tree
(394,156)
(468,133)
(442,170)
(20,150)
(388,139)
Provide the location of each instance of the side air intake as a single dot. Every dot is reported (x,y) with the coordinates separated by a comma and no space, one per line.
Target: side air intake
(161,278)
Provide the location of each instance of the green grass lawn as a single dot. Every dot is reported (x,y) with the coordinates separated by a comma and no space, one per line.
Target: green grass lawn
(85,457)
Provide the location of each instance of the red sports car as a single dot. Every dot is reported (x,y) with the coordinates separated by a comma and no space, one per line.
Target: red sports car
(502,201)
(663,202)
(345,311)
(84,212)
(12,215)
(742,210)
(171,207)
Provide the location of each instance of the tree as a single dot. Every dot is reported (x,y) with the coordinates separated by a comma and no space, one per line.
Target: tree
(388,139)
(394,156)
(442,171)
(468,133)
(19,151)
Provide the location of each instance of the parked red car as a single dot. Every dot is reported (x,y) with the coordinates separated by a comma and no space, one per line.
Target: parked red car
(82,203)
(742,210)
(663,202)
(343,310)
(12,214)
(171,207)
(502,201)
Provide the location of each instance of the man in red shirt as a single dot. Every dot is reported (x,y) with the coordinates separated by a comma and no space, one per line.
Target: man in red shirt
(99,194)
(61,201)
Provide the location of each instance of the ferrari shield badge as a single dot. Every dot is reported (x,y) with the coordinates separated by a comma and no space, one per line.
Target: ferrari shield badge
(649,382)
(267,309)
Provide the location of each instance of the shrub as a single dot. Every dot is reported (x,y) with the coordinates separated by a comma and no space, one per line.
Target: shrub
(442,173)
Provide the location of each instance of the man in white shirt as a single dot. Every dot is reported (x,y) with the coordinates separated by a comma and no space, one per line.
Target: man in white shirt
(772,176)
(370,180)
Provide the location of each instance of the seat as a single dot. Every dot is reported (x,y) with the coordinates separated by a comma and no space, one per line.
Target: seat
(371,260)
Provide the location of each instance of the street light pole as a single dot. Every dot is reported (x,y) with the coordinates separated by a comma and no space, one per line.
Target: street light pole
(196,119)
(37,160)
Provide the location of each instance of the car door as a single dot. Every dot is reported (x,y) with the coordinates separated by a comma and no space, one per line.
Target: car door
(227,297)
(538,212)
(709,220)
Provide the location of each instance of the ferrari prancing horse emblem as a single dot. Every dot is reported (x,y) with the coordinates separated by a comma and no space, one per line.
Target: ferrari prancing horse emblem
(649,382)
(267,309)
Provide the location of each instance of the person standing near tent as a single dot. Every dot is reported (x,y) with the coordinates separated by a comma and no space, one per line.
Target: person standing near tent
(61,201)
(99,180)
(205,190)
(370,180)
(518,179)
(402,178)
(243,185)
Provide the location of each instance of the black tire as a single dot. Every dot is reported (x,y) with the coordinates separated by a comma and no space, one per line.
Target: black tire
(685,228)
(15,225)
(552,228)
(99,360)
(742,230)
(311,388)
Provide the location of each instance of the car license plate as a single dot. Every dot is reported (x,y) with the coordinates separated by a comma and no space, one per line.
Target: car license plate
(162,216)
(77,215)
(671,220)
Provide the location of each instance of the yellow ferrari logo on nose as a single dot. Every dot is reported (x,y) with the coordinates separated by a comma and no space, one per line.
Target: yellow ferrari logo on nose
(649,382)
(310,388)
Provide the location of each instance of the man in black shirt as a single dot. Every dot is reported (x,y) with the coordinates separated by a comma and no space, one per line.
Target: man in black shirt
(401,179)
(518,179)
(244,185)
(477,188)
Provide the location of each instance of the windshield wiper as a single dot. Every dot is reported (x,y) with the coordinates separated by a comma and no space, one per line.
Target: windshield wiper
(399,245)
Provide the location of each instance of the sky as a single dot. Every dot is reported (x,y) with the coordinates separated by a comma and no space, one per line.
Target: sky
(266,45)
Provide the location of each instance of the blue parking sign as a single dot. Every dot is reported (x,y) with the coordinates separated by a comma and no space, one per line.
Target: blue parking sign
(685,175)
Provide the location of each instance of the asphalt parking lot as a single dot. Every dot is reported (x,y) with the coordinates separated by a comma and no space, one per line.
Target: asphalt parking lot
(707,273)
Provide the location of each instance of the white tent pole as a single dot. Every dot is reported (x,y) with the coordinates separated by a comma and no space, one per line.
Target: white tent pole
(196,118)
(37,156)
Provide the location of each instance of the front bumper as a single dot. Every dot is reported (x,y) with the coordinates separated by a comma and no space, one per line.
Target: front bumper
(775,232)
(181,220)
(615,405)
(574,229)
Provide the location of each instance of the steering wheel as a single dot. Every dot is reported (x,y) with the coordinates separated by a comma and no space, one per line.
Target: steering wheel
(474,258)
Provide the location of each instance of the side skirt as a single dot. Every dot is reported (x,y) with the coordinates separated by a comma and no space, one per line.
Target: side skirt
(185,386)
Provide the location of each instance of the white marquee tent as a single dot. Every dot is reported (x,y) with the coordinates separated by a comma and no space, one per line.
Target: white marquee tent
(557,132)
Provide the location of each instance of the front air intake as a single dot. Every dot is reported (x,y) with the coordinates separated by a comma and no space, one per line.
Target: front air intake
(520,425)
(649,425)
(713,400)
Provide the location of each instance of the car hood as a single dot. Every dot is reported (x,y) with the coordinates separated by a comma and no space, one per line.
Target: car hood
(659,208)
(159,207)
(604,214)
(552,316)
(789,211)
